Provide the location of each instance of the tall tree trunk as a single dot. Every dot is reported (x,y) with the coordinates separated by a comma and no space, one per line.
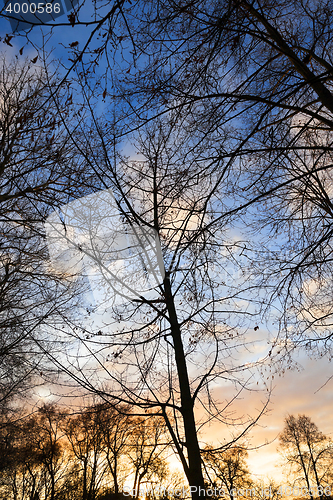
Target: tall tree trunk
(314,465)
(306,475)
(51,471)
(194,472)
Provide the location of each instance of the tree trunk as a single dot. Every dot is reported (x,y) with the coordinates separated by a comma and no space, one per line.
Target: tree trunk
(114,473)
(314,465)
(84,493)
(306,475)
(194,472)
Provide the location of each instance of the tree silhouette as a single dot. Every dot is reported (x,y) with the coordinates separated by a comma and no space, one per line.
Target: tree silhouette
(145,452)
(37,462)
(163,324)
(86,441)
(54,455)
(116,431)
(308,452)
(257,92)
(230,106)
(228,470)
(34,148)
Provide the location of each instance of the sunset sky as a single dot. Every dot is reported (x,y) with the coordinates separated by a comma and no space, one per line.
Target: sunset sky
(297,392)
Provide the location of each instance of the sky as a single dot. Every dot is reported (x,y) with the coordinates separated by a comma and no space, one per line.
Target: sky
(296,392)
(304,391)
(305,388)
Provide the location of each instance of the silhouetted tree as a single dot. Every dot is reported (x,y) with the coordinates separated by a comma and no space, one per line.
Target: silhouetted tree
(308,452)
(244,93)
(228,470)
(37,170)
(116,430)
(146,445)
(85,437)
(163,324)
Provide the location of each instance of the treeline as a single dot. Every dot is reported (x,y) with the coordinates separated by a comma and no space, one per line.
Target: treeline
(52,454)
(99,453)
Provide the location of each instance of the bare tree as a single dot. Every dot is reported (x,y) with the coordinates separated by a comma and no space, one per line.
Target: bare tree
(85,437)
(34,150)
(246,71)
(242,71)
(54,455)
(116,431)
(233,81)
(146,445)
(163,325)
(245,74)
(30,460)
(308,453)
(228,470)
(48,442)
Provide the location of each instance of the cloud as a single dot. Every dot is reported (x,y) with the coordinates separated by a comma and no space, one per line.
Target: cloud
(300,391)
(297,392)
(88,236)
